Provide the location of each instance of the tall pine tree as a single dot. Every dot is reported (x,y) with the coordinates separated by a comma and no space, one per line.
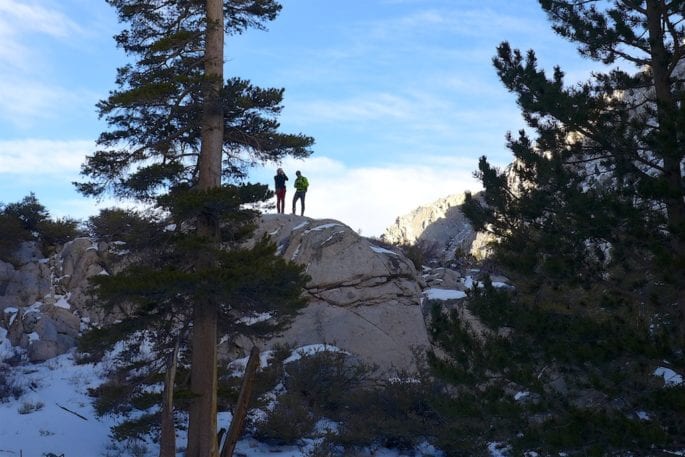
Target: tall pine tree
(601,185)
(182,133)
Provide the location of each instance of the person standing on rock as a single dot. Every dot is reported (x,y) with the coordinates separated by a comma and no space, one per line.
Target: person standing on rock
(279,184)
(301,186)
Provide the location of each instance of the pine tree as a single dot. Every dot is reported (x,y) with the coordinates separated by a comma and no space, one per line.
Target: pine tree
(181,135)
(604,169)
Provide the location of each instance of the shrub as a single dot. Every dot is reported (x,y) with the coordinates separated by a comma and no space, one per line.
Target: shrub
(335,387)
(54,232)
(289,421)
(421,252)
(397,415)
(116,224)
(8,388)
(29,212)
(13,233)
(324,380)
(136,429)
(30,220)
(30,407)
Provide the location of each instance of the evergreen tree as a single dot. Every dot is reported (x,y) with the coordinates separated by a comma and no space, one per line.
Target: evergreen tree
(178,126)
(29,220)
(601,185)
(150,302)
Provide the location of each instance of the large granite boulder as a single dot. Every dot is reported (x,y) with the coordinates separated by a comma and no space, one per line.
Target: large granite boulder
(42,299)
(45,331)
(79,260)
(365,299)
(23,286)
(28,251)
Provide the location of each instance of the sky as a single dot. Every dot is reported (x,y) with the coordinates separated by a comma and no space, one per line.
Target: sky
(400,96)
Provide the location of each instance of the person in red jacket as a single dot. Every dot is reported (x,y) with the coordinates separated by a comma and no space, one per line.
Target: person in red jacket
(279,184)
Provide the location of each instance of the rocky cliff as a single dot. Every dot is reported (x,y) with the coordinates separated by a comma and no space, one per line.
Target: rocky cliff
(440,226)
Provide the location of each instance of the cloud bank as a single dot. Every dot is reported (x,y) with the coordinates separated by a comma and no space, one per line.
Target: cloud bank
(370,198)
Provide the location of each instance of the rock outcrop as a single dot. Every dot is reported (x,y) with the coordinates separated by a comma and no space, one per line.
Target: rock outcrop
(441,227)
(365,299)
(42,300)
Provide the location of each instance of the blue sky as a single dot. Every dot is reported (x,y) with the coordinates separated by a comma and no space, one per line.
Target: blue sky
(400,95)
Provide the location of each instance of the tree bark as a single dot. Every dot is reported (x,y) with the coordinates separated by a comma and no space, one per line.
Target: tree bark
(202,429)
(243,404)
(202,434)
(212,114)
(671,151)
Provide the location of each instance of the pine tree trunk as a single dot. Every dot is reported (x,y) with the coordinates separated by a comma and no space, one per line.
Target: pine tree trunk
(167,436)
(671,153)
(212,115)
(202,429)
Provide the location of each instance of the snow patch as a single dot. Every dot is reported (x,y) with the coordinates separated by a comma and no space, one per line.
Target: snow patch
(322,227)
(299,226)
(6,350)
(62,303)
(331,237)
(498,449)
(444,294)
(254,318)
(643,415)
(521,395)
(311,349)
(671,378)
(297,251)
(381,250)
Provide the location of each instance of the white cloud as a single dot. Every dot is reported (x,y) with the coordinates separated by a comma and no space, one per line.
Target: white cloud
(20,22)
(22,17)
(25,102)
(370,198)
(43,157)
(30,91)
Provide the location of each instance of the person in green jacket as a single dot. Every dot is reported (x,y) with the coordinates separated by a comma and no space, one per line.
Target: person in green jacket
(301,186)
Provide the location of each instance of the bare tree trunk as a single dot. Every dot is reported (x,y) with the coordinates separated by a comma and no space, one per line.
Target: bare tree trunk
(243,404)
(202,430)
(167,438)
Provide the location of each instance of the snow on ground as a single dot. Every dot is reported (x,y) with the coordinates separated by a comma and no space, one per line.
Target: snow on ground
(469,283)
(54,414)
(443,294)
(671,378)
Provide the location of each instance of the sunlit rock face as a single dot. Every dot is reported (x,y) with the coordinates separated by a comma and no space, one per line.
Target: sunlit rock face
(364,298)
(441,227)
